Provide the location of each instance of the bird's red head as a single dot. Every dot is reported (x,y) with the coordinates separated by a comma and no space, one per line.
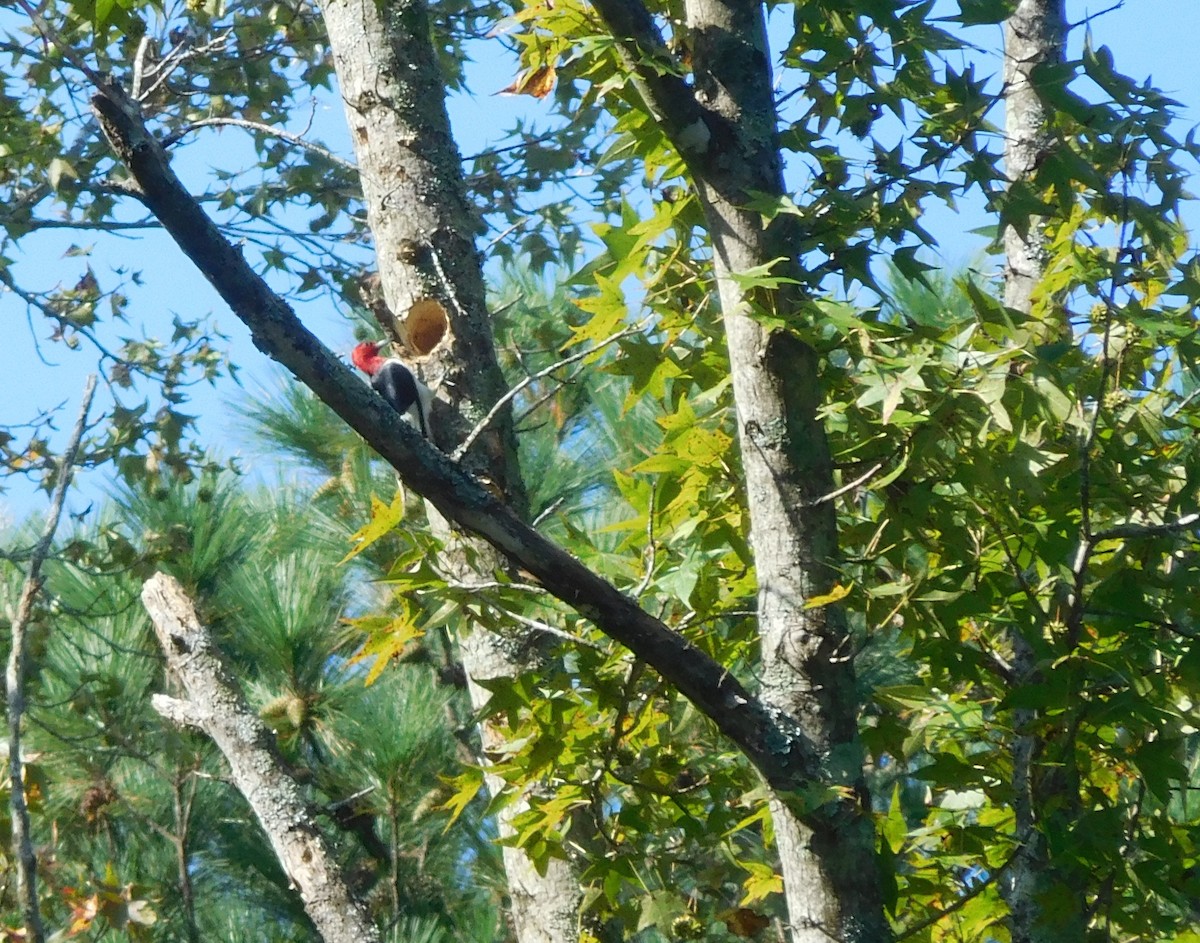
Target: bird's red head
(366,357)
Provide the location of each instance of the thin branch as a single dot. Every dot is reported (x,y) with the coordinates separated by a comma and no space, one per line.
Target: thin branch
(496,584)
(1134,531)
(15,678)
(958,904)
(1087,541)
(838,492)
(551,630)
(258,126)
(62,46)
(547,511)
(532,378)
(139,66)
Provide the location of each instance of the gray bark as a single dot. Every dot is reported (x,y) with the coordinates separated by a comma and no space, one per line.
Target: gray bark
(215,706)
(424,231)
(726,132)
(14,679)
(768,738)
(1034,36)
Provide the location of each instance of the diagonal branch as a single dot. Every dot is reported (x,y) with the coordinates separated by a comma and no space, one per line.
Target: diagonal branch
(498,406)
(771,740)
(259,127)
(215,706)
(15,678)
(657,75)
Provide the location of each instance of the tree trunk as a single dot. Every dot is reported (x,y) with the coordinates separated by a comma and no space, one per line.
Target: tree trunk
(830,873)
(787,759)
(424,231)
(1034,36)
(216,707)
(726,131)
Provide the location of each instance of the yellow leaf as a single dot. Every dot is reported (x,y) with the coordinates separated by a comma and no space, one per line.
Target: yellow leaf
(838,592)
(388,639)
(384,518)
(469,782)
(762,882)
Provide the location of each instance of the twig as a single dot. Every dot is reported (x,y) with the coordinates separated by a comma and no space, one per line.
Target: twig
(352,798)
(447,285)
(15,679)
(509,396)
(496,584)
(162,70)
(1126,531)
(837,493)
(139,67)
(551,630)
(548,510)
(1075,598)
(288,136)
(961,902)
(51,36)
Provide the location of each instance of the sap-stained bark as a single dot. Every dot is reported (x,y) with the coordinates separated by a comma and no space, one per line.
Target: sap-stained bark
(424,230)
(768,737)
(215,706)
(726,132)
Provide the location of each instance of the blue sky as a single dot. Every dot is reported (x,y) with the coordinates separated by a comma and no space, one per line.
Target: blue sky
(1149,38)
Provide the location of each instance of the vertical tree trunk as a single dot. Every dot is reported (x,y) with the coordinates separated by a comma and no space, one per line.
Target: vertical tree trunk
(726,130)
(830,872)
(424,230)
(1034,36)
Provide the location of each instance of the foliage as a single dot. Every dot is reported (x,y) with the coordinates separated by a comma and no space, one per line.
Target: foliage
(150,839)
(1004,479)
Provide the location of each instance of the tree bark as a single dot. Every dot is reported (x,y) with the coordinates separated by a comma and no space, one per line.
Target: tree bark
(785,755)
(767,736)
(726,132)
(424,229)
(1034,36)
(215,706)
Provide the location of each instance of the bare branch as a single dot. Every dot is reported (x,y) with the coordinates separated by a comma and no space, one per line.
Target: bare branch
(838,492)
(1134,531)
(215,705)
(533,378)
(770,738)
(258,126)
(551,630)
(15,678)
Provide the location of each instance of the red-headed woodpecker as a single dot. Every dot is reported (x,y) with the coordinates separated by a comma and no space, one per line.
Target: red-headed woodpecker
(392,380)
